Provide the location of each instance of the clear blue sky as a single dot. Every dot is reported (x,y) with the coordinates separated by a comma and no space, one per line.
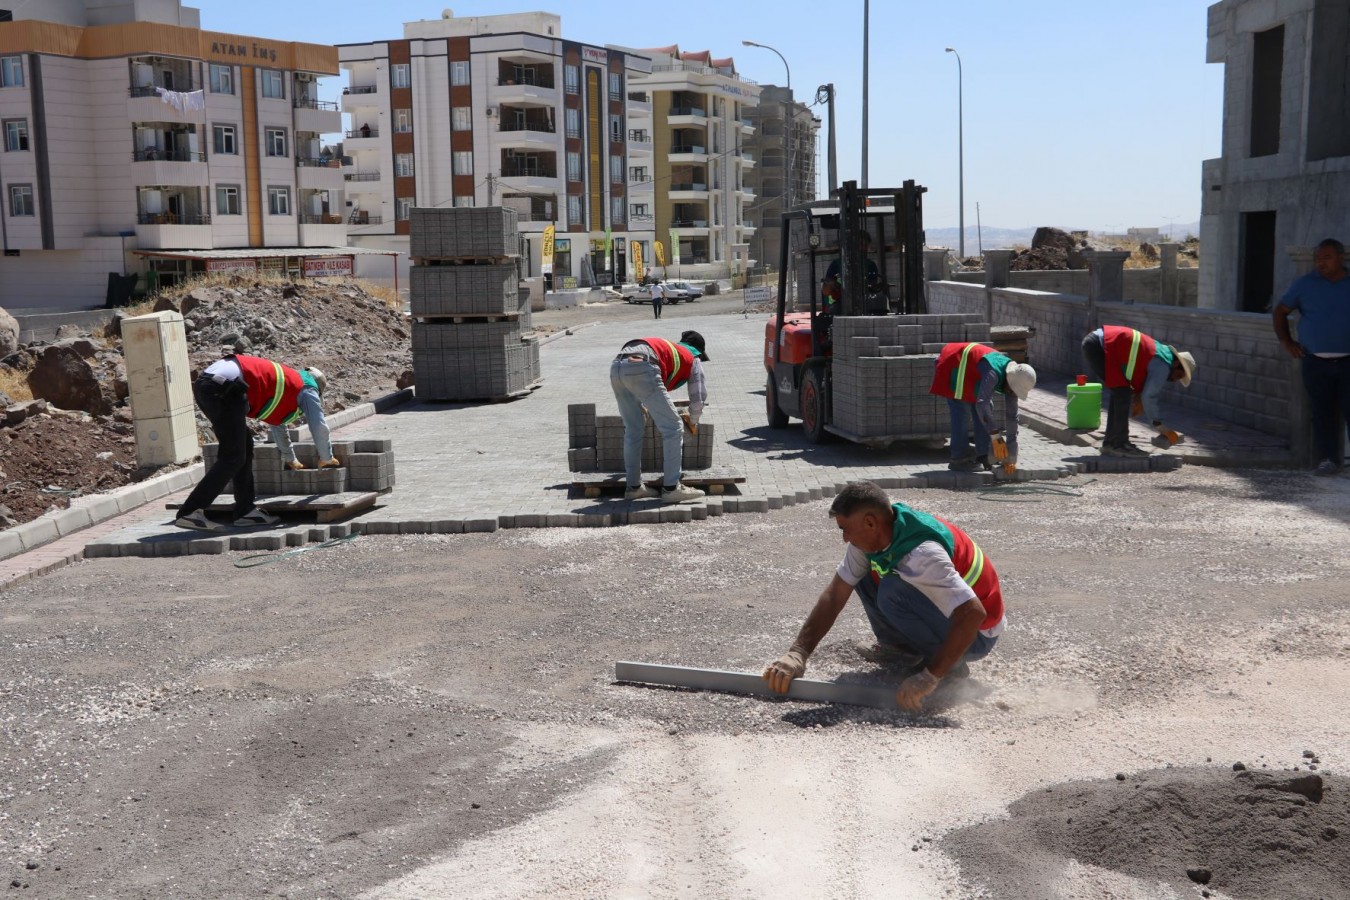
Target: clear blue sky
(1078,113)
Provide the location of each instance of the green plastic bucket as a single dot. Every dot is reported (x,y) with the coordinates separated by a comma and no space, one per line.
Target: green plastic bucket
(1085,406)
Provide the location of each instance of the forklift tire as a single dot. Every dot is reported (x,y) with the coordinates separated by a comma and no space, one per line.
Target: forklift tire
(777,418)
(813,406)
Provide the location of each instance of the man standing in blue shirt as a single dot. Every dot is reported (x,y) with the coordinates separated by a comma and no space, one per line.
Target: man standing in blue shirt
(1322,300)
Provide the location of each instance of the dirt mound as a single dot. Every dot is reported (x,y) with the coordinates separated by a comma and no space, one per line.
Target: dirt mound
(1259,835)
(354,332)
(1036,260)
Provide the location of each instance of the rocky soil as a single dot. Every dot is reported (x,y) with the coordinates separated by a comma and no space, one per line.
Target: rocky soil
(80,439)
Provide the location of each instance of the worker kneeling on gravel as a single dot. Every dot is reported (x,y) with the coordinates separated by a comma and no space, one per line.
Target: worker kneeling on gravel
(1134,368)
(931,596)
(968,374)
(230,392)
(643,375)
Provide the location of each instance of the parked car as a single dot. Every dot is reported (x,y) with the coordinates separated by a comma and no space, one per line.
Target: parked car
(642,293)
(691,291)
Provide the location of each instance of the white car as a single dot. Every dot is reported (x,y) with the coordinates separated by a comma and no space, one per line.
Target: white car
(690,291)
(642,293)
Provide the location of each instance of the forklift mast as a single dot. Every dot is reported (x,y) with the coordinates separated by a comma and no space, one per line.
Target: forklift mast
(898,229)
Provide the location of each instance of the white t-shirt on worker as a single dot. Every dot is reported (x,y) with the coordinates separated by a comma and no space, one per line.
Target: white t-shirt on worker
(928,568)
(227,369)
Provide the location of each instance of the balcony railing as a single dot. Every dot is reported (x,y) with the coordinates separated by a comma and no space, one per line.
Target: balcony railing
(320,219)
(512,82)
(362,176)
(153,154)
(639,97)
(689,223)
(638,177)
(688,111)
(639,135)
(689,186)
(306,103)
(366,132)
(361,89)
(688,148)
(525,170)
(361,218)
(543,127)
(171,219)
(317,162)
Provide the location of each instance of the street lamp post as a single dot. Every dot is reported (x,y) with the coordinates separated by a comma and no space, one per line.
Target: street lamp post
(960,149)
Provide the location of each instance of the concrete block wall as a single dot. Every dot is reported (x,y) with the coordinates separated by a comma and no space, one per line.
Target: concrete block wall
(1242,374)
(367,465)
(1141,285)
(595,443)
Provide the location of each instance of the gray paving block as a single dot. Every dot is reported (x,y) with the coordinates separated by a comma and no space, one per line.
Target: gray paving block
(476,526)
(644,516)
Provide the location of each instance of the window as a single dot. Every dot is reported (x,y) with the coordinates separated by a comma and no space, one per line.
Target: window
(403,208)
(639,211)
(1267,67)
(16,134)
(615,84)
(227,199)
(459,72)
(638,174)
(461,118)
(616,169)
(274,139)
(464,200)
(222,139)
(616,209)
(273,85)
(574,209)
(571,79)
(11,71)
(573,120)
(616,128)
(222,79)
(400,76)
(21,200)
(279,201)
(573,166)
(403,120)
(463,162)
(403,165)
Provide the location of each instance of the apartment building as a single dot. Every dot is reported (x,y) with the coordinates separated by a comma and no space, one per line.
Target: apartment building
(1281,183)
(499,110)
(127,127)
(700,125)
(783,175)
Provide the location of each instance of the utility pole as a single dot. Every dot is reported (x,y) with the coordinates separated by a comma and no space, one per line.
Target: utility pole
(492,189)
(961,146)
(866,17)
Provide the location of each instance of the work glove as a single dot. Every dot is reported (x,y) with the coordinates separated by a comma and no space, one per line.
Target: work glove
(914,688)
(781,671)
(1173,438)
(1000,448)
(1137,407)
(689,423)
(332,463)
(295,465)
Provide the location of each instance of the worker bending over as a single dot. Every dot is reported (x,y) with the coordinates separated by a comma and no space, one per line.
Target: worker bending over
(643,375)
(230,392)
(968,374)
(931,596)
(1134,368)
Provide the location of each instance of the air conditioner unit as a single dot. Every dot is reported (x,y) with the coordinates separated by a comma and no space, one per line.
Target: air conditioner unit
(492,111)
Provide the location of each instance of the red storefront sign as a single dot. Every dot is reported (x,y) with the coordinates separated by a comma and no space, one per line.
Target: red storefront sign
(318,266)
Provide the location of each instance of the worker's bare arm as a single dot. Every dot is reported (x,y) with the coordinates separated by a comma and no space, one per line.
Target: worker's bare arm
(965,621)
(780,673)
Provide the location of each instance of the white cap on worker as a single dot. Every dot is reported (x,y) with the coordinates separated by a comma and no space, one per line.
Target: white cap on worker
(1187,365)
(1021,379)
(319,379)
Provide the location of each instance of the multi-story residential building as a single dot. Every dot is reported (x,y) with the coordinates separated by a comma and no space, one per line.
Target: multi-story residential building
(126,127)
(501,110)
(700,123)
(1281,183)
(782,174)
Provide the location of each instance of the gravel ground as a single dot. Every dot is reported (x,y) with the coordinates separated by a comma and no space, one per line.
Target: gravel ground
(434,715)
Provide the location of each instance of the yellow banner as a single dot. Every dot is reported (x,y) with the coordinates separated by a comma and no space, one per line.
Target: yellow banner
(637,262)
(546,261)
(660,254)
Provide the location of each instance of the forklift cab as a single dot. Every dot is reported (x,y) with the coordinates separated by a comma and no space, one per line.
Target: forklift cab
(858,254)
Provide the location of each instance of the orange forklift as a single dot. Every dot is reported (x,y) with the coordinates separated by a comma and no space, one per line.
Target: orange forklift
(858,254)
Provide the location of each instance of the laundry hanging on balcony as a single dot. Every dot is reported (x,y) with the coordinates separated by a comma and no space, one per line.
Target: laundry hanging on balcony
(183,101)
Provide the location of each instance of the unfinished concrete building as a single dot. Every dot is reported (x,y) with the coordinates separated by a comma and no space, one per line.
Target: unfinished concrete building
(782,176)
(1284,176)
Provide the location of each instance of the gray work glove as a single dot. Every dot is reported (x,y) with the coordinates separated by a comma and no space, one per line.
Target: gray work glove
(790,665)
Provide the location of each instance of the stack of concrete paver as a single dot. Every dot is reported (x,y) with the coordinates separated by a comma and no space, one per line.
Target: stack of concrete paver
(470,337)
(883,367)
(595,443)
(367,465)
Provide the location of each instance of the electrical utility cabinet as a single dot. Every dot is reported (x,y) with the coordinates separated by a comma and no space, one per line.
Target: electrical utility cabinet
(159,377)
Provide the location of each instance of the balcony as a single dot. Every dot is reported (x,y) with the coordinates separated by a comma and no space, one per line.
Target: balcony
(538,134)
(508,91)
(639,104)
(531,175)
(318,174)
(362,133)
(310,103)
(747,126)
(360,96)
(688,153)
(639,141)
(318,116)
(153,166)
(362,219)
(360,176)
(687,115)
(747,159)
(695,190)
(163,231)
(322,231)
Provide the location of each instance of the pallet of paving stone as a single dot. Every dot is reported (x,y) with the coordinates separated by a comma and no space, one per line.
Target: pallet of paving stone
(710,481)
(473,290)
(485,233)
(325,507)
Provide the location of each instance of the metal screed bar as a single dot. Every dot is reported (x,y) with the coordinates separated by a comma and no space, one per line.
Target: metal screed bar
(876,696)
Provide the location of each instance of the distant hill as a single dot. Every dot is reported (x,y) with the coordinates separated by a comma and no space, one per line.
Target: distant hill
(995,238)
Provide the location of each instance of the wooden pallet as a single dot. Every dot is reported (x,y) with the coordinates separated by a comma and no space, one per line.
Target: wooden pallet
(711,481)
(438,261)
(325,507)
(467,318)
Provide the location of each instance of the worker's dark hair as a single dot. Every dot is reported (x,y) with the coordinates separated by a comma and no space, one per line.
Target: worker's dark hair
(1333,244)
(858,496)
